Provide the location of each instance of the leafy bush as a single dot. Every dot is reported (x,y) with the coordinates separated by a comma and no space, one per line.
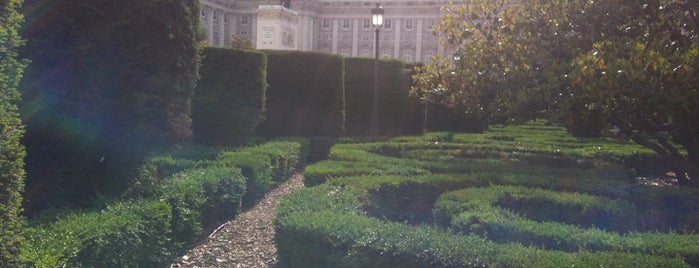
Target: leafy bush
(133,234)
(230,96)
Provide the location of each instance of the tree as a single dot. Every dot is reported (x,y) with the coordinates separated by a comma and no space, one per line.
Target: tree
(110,82)
(630,63)
(473,80)
(505,64)
(645,79)
(11,130)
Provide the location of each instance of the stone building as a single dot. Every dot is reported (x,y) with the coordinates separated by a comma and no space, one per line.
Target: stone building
(340,27)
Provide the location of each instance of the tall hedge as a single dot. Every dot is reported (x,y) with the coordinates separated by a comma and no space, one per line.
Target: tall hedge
(399,114)
(110,80)
(230,96)
(11,130)
(305,95)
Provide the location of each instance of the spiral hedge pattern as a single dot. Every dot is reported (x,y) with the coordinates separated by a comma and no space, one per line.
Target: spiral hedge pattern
(517,196)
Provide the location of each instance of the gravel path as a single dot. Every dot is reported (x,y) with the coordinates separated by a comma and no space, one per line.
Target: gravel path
(247,241)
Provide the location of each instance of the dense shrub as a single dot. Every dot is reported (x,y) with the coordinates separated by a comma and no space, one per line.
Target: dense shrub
(305,96)
(398,112)
(109,81)
(202,198)
(230,96)
(161,166)
(134,234)
(264,165)
(12,152)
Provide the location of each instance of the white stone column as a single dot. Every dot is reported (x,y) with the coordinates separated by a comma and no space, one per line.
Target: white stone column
(232,25)
(210,24)
(253,30)
(396,42)
(418,41)
(336,35)
(221,28)
(355,37)
(306,35)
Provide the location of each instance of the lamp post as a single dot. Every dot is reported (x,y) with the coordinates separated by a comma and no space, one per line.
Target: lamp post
(377,21)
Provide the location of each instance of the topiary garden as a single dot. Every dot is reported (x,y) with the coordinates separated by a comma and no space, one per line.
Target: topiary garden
(516,196)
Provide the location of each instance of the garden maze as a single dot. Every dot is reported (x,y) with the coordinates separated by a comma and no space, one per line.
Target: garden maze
(515,196)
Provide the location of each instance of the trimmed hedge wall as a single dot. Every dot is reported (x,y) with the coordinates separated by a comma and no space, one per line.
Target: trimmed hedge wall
(182,194)
(306,95)
(230,96)
(399,114)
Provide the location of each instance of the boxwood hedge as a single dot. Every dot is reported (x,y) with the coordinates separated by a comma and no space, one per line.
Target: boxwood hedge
(230,96)
(306,95)
(195,190)
(131,234)
(369,208)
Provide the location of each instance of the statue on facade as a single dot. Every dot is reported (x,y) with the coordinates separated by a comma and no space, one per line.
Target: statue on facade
(285,3)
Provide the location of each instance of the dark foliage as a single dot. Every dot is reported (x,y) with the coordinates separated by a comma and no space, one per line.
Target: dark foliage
(230,96)
(11,130)
(442,118)
(109,81)
(305,95)
(399,114)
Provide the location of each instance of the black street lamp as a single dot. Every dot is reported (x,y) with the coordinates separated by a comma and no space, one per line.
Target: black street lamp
(377,21)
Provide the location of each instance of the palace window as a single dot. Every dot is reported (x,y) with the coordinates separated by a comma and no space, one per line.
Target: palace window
(366,24)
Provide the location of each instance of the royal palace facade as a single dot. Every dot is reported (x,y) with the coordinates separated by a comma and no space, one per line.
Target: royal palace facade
(342,27)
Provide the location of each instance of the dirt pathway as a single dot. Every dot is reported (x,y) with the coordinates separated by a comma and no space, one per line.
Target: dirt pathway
(247,241)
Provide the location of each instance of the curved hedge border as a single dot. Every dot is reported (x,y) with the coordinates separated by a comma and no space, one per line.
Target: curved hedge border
(326,226)
(541,205)
(364,195)
(477,211)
